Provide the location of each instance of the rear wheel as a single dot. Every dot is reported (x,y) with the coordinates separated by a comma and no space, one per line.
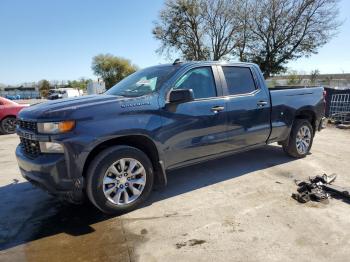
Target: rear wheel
(119,179)
(8,125)
(300,140)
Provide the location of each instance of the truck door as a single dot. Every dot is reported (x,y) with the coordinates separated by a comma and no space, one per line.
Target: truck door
(248,107)
(195,129)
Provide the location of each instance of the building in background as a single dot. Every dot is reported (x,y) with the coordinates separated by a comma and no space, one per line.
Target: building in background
(30,90)
(25,91)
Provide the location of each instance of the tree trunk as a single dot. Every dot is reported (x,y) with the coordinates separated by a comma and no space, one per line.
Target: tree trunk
(267,74)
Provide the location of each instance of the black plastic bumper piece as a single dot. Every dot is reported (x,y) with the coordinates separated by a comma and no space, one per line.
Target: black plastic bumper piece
(322,124)
(49,172)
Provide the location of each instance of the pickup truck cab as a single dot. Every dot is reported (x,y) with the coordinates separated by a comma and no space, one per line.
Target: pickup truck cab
(114,147)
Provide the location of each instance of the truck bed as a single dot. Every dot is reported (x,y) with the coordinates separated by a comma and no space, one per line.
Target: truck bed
(289,102)
(289,87)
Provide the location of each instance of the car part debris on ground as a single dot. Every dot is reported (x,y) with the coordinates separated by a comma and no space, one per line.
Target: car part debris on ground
(318,189)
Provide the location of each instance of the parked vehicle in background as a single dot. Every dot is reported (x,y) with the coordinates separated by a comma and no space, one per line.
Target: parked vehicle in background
(8,114)
(113,147)
(63,93)
(13,97)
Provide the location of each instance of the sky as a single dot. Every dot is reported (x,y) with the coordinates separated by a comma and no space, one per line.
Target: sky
(56,40)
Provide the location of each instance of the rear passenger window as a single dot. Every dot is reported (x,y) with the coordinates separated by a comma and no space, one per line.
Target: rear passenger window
(239,80)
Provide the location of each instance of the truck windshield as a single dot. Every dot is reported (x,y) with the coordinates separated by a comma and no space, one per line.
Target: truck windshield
(143,82)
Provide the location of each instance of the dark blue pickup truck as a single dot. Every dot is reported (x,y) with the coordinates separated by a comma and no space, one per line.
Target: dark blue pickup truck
(114,147)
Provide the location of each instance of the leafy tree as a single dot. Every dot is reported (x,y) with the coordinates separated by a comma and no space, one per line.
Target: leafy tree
(111,68)
(44,87)
(79,84)
(267,32)
(294,78)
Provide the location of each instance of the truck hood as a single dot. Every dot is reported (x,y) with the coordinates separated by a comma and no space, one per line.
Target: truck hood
(72,108)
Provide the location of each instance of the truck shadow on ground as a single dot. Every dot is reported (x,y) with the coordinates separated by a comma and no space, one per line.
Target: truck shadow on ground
(29,215)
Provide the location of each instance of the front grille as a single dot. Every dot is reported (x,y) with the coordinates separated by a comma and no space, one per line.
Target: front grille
(30,147)
(27,125)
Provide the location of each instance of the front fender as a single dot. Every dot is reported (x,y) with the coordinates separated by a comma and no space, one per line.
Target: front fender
(90,134)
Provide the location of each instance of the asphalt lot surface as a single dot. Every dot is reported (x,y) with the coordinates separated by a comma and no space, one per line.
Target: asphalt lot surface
(234,209)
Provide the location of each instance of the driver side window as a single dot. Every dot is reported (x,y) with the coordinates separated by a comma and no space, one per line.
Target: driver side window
(200,80)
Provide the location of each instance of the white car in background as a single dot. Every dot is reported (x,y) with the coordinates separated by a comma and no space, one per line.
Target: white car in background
(63,93)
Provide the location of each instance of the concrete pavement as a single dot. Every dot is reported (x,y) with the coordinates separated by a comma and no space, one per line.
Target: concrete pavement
(234,209)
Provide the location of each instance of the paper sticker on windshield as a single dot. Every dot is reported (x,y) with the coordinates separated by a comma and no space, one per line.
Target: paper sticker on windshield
(143,82)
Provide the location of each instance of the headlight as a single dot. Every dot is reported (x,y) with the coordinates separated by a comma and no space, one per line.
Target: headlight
(56,127)
(49,147)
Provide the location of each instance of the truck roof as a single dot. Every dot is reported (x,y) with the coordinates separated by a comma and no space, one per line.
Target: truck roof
(190,63)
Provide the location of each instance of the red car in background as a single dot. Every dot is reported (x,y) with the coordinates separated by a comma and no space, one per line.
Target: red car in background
(8,114)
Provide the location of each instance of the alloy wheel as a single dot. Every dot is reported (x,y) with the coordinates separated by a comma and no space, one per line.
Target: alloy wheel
(124,181)
(303,139)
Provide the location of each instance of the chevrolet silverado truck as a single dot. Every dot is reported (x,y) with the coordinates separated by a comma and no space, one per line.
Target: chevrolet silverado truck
(113,148)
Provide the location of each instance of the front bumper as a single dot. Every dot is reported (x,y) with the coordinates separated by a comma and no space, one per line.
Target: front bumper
(49,172)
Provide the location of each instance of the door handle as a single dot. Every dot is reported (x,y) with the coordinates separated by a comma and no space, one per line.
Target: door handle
(217,109)
(262,103)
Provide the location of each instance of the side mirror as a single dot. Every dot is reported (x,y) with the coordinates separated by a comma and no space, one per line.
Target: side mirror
(181,95)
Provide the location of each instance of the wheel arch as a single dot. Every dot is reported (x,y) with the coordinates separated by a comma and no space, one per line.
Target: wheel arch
(307,114)
(141,142)
(6,116)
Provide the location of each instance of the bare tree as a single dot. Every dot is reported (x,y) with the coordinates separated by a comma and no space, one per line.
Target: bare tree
(199,29)
(180,28)
(244,36)
(284,30)
(222,26)
(314,75)
(268,32)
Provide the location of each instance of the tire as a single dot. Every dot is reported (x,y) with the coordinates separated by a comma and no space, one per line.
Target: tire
(291,147)
(102,195)
(8,125)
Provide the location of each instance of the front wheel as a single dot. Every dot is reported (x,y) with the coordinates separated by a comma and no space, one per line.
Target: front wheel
(119,179)
(300,140)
